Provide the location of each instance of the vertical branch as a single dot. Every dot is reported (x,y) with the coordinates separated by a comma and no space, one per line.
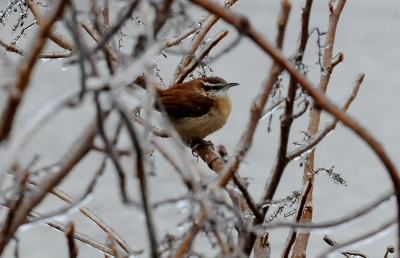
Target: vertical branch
(14,205)
(106,13)
(287,122)
(110,150)
(301,242)
(141,175)
(81,49)
(162,15)
(69,233)
(301,207)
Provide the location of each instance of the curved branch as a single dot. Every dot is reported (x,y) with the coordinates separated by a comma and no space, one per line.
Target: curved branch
(25,71)
(330,224)
(244,27)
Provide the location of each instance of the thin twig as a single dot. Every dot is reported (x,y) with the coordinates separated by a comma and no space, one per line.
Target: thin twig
(117,25)
(153,130)
(63,196)
(56,37)
(77,202)
(69,233)
(196,41)
(141,175)
(315,139)
(24,72)
(301,242)
(244,27)
(386,226)
(78,151)
(92,34)
(195,62)
(11,47)
(292,235)
(78,236)
(249,200)
(344,221)
(106,13)
(14,205)
(110,150)
(170,42)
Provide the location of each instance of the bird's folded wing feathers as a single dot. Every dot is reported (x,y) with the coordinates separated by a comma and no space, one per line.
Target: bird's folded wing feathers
(190,104)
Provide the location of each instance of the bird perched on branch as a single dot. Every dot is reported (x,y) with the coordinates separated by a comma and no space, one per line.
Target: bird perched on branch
(198,107)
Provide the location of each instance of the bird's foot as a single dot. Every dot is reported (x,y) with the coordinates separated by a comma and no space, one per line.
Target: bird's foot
(197,142)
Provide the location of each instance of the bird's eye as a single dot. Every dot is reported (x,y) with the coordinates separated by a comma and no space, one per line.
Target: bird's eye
(214,87)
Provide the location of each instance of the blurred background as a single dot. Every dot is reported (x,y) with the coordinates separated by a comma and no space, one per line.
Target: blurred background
(368,36)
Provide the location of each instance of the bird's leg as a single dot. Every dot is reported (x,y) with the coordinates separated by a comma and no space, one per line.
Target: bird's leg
(197,142)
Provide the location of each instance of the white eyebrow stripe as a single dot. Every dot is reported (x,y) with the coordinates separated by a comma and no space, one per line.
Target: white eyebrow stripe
(212,84)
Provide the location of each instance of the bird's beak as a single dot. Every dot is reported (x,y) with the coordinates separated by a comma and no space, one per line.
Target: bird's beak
(228,85)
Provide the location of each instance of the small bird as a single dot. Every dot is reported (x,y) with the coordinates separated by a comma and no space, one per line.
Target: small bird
(198,107)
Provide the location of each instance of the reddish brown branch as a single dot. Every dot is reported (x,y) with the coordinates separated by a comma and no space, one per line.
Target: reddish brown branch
(299,212)
(69,233)
(24,72)
(111,151)
(178,39)
(301,242)
(85,211)
(208,154)
(194,63)
(188,58)
(106,13)
(78,150)
(78,236)
(11,47)
(244,27)
(314,140)
(141,175)
(56,37)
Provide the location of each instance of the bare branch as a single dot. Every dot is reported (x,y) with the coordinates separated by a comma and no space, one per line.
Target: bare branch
(56,37)
(315,139)
(195,62)
(141,175)
(178,39)
(330,224)
(78,236)
(385,227)
(79,149)
(244,27)
(25,71)
(197,39)
(63,196)
(69,233)
(110,149)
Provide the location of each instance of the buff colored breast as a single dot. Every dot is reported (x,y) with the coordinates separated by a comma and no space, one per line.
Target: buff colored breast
(201,126)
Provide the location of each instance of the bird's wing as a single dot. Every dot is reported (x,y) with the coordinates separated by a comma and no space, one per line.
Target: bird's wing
(189,105)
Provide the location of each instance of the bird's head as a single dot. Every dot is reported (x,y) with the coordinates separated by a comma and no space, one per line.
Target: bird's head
(216,86)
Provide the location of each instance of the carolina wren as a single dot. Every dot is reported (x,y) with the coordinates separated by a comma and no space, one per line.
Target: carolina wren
(198,107)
